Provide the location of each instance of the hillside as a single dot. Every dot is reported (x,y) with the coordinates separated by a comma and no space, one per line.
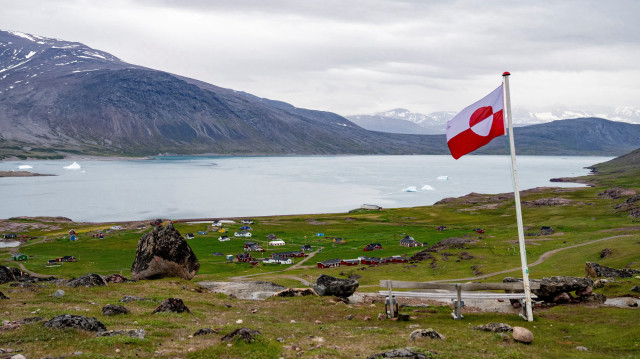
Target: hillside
(59,97)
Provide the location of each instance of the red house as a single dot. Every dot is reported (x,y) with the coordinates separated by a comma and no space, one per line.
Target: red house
(329,263)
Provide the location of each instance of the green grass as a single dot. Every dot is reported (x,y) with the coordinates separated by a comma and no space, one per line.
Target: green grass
(606,332)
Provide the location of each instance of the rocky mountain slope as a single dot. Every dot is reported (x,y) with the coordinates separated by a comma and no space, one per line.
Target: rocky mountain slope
(58,96)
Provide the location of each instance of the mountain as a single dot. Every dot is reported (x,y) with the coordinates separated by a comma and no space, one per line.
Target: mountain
(401,120)
(57,95)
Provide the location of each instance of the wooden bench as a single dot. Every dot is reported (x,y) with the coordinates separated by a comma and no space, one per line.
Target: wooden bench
(455,292)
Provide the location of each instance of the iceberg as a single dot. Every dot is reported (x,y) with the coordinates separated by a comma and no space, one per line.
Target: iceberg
(410,189)
(24,167)
(73,166)
(443,178)
(427,188)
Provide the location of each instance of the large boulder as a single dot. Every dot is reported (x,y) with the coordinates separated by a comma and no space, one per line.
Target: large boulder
(522,335)
(162,252)
(328,285)
(64,321)
(175,305)
(553,286)
(602,271)
(6,275)
(87,280)
(246,334)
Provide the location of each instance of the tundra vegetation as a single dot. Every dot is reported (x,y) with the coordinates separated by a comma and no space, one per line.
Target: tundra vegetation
(326,327)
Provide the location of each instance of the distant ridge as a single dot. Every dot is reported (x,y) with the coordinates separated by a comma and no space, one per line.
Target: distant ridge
(59,97)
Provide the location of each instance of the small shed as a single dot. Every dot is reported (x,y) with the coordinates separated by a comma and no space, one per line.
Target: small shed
(19,257)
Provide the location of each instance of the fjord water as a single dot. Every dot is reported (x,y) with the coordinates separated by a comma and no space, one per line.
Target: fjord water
(209,187)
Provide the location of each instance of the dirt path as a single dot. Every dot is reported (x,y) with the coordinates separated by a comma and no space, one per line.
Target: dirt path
(541,259)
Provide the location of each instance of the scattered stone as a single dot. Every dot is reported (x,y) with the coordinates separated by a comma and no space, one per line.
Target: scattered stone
(87,280)
(366,318)
(631,303)
(58,293)
(615,193)
(117,278)
(605,253)
(133,298)
(246,334)
(603,271)
(599,283)
(408,353)
(327,285)
(2,296)
(465,256)
(349,317)
(494,327)
(18,356)
(133,333)
(318,322)
(381,316)
(635,288)
(549,201)
(239,321)
(425,333)
(175,305)
(562,298)
(586,291)
(546,231)
(64,321)
(113,309)
(582,349)
(593,298)
(522,335)
(295,292)
(162,252)
(205,331)
(403,317)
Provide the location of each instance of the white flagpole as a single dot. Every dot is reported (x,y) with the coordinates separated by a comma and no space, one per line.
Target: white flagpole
(516,194)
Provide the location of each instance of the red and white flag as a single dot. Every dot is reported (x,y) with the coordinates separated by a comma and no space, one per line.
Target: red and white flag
(476,125)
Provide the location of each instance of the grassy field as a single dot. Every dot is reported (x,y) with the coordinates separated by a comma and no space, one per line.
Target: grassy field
(584,222)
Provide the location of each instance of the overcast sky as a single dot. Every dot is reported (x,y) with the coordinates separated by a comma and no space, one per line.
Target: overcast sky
(365,56)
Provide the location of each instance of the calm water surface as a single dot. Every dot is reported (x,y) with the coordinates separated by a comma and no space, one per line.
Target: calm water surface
(202,187)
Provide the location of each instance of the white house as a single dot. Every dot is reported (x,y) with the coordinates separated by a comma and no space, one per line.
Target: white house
(116,228)
(277,242)
(242,234)
(278,260)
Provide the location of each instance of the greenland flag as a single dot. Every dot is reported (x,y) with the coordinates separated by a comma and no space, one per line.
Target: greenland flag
(476,125)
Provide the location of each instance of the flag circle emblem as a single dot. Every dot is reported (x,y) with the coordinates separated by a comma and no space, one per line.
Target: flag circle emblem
(481,120)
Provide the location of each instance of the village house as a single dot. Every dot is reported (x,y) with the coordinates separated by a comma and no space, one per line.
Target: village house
(371,207)
(369,260)
(409,242)
(67,259)
(245,228)
(10,236)
(277,242)
(349,262)
(189,236)
(202,233)
(271,236)
(372,247)
(278,260)
(252,247)
(329,263)
(306,248)
(245,257)
(339,241)
(224,238)
(246,221)
(116,228)
(289,254)
(242,234)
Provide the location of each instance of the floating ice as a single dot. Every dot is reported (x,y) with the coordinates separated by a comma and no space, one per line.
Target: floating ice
(410,189)
(24,167)
(443,178)
(427,188)
(73,166)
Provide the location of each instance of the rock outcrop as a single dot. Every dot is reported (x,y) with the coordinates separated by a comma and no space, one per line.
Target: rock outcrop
(558,289)
(162,252)
(425,334)
(602,271)
(87,280)
(246,334)
(175,305)
(6,275)
(407,353)
(494,327)
(81,322)
(114,309)
(328,285)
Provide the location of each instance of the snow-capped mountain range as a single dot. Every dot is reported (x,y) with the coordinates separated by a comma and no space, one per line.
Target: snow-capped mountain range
(401,120)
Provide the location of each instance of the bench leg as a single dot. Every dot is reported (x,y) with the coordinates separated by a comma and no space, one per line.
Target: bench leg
(523,304)
(457,309)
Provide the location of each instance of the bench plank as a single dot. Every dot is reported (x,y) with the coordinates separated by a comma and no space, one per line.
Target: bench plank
(454,286)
